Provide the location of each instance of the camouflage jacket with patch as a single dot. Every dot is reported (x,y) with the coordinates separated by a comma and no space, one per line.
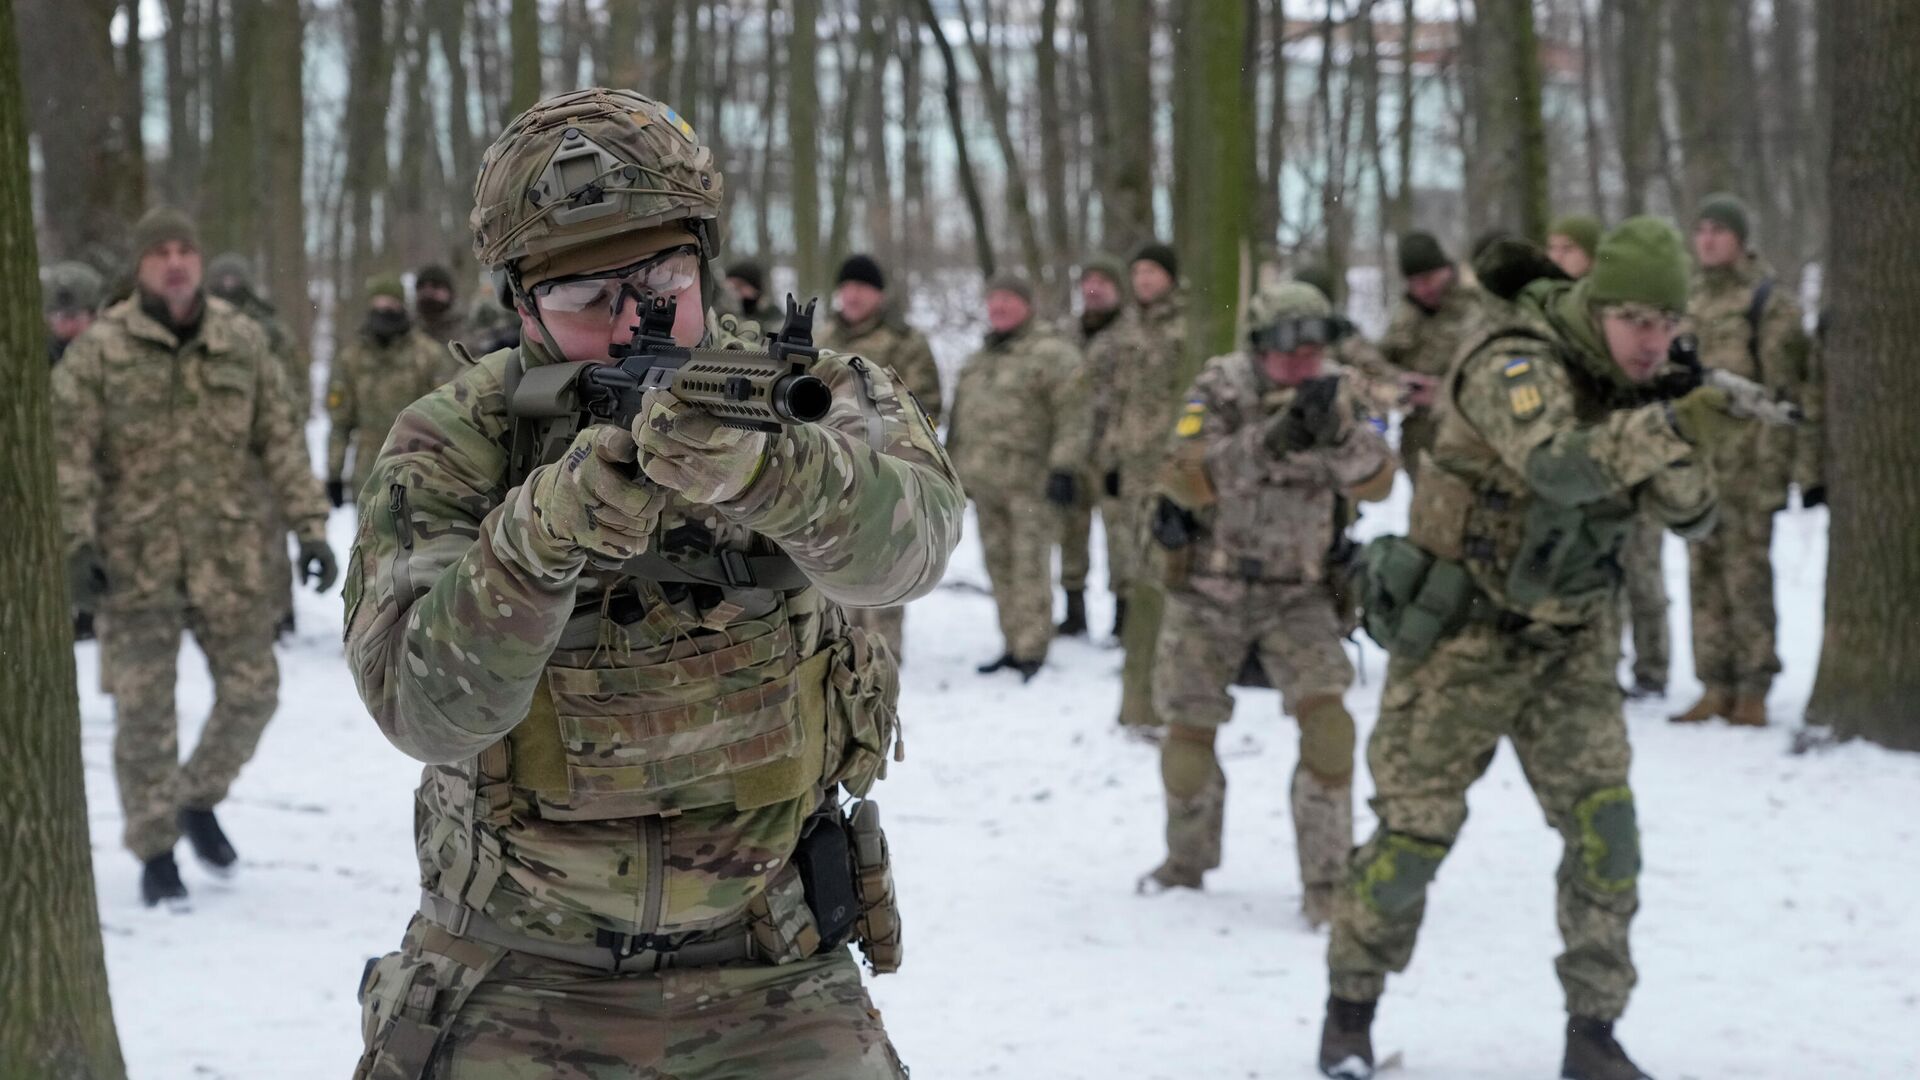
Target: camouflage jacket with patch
(1019,412)
(162,444)
(1427,342)
(1266,517)
(1756,466)
(1140,395)
(611,751)
(368,387)
(890,344)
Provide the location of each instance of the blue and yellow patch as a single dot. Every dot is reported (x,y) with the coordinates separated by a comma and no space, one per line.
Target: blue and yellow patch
(1523,390)
(681,125)
(1192,419)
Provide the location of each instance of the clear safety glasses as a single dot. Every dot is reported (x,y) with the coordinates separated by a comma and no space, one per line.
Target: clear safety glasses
(658,275)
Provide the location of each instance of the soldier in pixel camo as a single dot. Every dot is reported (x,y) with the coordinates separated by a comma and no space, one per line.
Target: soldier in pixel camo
(1104,315)
(388,364)
(171,405)
(1266,449)
(1429,325)
(1499,611)
(621,653)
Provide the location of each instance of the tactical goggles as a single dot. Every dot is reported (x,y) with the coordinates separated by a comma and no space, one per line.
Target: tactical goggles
(665,274)
(1290,334)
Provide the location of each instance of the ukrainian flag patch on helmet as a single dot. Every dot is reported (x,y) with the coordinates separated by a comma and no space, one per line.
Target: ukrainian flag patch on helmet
(681,125)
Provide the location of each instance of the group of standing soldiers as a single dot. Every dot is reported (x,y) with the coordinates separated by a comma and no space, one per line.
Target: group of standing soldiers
(183,468)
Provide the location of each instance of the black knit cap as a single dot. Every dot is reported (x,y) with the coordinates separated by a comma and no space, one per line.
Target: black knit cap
(752,273)
(863,269)
(433,274)
(1162,254)
(1421,252)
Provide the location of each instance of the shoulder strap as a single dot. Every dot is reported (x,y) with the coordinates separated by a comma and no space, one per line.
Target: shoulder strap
(1756,311)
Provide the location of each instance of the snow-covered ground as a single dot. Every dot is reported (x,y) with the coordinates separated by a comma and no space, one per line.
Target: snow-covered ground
(1778,937)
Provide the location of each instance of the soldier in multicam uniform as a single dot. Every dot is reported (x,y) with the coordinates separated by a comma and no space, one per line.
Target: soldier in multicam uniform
(1432,321)
(622,656)
(1018,436)
(435,306)
(1265,450)
(69,297)
(381,371)
(169,406)
(1499,612)
(746,296)
(865,321)
(1749,326)
(1104,311)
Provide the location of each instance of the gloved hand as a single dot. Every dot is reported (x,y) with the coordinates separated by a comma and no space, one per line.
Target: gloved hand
(1311,420)
(594,500)
(1110,483)
(337,492)
(1813,496)
(1062,489)
(317,561)
(1174,526)
(86,577)
(687,450)
(1701,417)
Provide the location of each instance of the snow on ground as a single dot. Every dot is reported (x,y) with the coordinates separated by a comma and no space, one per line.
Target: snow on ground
(1778,934)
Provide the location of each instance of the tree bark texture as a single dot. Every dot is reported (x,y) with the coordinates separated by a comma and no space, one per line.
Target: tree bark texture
(90,178)
(957,120)
(1869,678)
(283,117)
(523,28)
(57,1021)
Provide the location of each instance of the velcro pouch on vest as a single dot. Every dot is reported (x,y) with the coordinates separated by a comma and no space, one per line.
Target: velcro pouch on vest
(1569,555)
(1412,599)
(408,998)
(863,717)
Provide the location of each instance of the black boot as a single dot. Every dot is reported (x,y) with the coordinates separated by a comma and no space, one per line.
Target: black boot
(991,666)
(160,881)
(210,844)
(1119,618)
(285,630)
(1594,1054)
(1346,1040)
(1027,669)
(1075,624)
(83,626)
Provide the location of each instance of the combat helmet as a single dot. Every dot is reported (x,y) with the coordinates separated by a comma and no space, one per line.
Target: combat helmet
(71,286)
(1284,316)
(579,169)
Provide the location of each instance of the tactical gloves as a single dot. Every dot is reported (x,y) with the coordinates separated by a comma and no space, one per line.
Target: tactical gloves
(86,577)
(1310,421)
(594,500)
(1174,526)
(686,449)
(317,565)
(337,492)
(1062,489)
(1702,417)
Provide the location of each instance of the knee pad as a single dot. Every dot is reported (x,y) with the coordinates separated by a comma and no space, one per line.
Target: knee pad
(1326,739)
(1187,762)
(1393,879)
(1609,834)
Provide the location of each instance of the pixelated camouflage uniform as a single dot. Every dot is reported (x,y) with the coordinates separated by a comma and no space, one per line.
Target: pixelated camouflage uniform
(1019,412)
(1255,580)
(1645,599)
(1135,401)
(887,342)
(369,385)
(161,444)
(623,761)
(1426,342)
(1537,421)
(297,368)
(1731,572)
(1076,521)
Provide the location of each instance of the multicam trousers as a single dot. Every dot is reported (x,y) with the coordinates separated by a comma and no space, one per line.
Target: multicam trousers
(1017,532)
(1731,583)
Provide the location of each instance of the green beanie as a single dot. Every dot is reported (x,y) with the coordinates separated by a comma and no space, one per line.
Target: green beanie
(1318,275)
(1008,281)
(1722,208)
(1421,252)
(1582,229)
(386,285)
(159,225)
(1642,261)
(1106,266)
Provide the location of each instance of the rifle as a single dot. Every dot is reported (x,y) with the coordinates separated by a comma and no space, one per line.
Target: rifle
(759,391)
(1745,398)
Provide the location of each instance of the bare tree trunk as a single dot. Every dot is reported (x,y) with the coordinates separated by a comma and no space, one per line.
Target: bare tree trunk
(58,1021)
(913,159)
(763,197)
(183,137)
(1053,149)
(969,183)
(803,125)
(1590,112)
(877,30)
(282,116)
(133,91)
(666,24)
(87,159)
(228,185)
(1018,205)
(1268,209)
(1515,141)
(369,94)
(1402,219)
(1128,197)
(523,28)
(1869,674)
(450,27)
(853,79)
(1704,33)
(623,44)
(414,231)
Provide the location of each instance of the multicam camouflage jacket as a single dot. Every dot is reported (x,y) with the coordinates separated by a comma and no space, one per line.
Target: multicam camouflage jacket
(885,341)
(1019,412)
(620,751)
(1772,350)
(368,387)
(162,444)
(1266,517)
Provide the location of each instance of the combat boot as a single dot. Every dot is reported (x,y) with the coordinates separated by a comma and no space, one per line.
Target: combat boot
(210,845)
(1170,875)
(1715,702)
(1316,905)
(160,882)
(1027,668)
(998,662)
(1346,1040)
(1749,710)
(1594,1054)
(1075,624)
(1645,689)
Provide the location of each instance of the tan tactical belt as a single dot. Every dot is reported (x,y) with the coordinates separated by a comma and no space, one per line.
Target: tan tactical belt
(617,954)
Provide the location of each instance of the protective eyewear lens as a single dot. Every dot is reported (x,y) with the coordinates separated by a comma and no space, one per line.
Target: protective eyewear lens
(664,274)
